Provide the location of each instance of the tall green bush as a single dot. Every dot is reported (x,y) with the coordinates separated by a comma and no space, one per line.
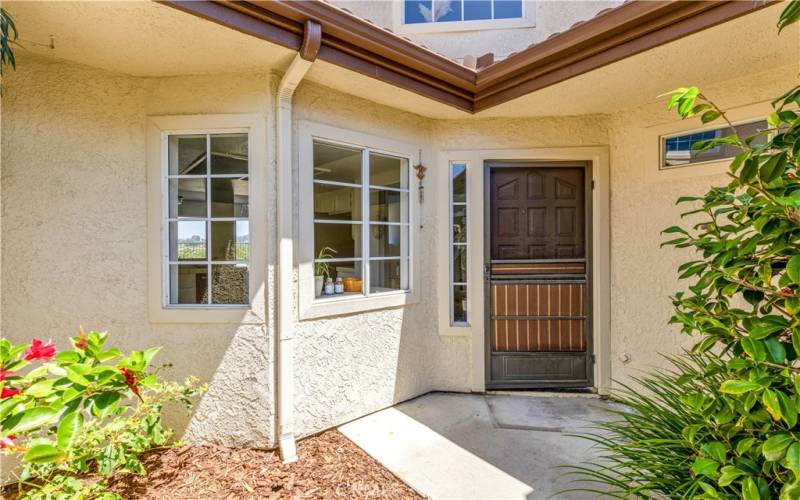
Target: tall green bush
(724,423)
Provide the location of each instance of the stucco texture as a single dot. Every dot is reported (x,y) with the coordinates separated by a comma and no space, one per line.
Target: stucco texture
(74,206)
(352,365)
(643,275)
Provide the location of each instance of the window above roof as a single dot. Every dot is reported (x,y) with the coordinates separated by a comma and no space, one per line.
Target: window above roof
(417,16)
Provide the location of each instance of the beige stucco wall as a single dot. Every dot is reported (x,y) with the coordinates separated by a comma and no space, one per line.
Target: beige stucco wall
(351,365)
(74,206)
(74,189)
(548,17)
(643,203)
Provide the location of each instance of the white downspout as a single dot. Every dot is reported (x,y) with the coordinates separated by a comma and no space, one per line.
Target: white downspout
(284,355)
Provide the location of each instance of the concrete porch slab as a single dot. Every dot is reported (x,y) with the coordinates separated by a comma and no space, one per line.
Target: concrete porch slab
(469,446)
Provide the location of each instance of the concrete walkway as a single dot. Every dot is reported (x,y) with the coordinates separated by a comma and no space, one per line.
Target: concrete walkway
(465,446)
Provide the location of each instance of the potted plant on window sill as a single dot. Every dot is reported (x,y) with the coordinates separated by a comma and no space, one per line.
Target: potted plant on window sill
(322,270)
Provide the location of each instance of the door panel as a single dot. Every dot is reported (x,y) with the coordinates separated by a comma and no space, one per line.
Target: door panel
(538,321)
(552,208)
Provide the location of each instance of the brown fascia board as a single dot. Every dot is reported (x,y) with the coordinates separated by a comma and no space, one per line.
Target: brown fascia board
(630,29)
(358,45)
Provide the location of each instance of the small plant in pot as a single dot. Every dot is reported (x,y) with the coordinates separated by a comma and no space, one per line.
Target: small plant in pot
(322,270)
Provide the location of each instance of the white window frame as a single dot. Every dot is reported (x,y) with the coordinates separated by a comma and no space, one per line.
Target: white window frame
(209,262)
(159,128)
(310,306)
(527,20)
(452,243)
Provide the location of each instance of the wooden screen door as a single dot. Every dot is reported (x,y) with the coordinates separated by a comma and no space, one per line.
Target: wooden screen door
(538,275)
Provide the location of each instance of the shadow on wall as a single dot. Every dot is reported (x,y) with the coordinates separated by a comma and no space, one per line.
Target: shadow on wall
(237,408)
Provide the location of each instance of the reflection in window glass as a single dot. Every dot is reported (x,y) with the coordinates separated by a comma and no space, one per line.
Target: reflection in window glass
(388,206)
(677,150)
(507,9)
(442,11)
(341,226)
(459,304)
(458,243)
(388,275)
(187,197)
(191,241)
(230,283)
(229,154)
(208,230)
(188,284)
(229,197)
(187,154)
(335,163)
(388,171)
(388,241)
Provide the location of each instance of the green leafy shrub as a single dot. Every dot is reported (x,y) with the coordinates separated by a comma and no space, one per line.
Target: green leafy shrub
(80,415)
(647,447)
(723,423)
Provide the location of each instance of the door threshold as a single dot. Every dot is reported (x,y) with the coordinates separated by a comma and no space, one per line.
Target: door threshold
(589,393)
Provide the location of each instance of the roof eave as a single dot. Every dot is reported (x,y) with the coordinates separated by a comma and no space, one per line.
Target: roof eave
(358,45)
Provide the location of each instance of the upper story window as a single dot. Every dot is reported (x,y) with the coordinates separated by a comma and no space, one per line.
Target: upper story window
(443,11)
(676,150)
(207,248)
(361,221)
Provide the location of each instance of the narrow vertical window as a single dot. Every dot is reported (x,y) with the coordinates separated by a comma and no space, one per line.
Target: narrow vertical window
(207,223)
(458,244)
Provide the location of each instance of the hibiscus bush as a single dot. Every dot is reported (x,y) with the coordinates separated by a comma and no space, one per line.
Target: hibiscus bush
(77,416)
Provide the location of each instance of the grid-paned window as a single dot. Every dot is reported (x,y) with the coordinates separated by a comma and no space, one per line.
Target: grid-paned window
(458,243)
(677,150)
(361,220)
(207,222)
(442,11)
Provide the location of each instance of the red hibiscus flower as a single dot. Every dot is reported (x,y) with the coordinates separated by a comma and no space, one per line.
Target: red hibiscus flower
(81,343)
(8,441)
(40,350)
(5,373)
(8,392)
(130,381)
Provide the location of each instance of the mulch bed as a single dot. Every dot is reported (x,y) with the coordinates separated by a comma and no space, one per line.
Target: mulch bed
(329,466)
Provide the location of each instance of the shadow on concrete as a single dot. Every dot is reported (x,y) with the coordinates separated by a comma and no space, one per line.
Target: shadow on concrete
(483,446)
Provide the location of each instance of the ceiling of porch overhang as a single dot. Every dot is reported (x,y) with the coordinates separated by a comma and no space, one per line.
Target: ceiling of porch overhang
(140,38)
(748,44)
(148,39)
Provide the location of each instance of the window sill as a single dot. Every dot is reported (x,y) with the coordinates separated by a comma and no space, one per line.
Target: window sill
(456,26)
(355,303)
(457,330)
(243,315)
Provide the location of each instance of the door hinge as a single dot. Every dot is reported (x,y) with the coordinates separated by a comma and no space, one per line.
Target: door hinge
(592,358)
(593,184)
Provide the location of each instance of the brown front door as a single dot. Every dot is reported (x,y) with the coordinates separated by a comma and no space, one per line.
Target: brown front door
(537,272)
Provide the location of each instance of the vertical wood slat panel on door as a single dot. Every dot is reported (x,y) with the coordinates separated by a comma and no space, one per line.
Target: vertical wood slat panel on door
(539,317)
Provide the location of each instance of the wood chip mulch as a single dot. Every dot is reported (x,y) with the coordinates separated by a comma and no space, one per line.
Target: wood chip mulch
(329,466)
